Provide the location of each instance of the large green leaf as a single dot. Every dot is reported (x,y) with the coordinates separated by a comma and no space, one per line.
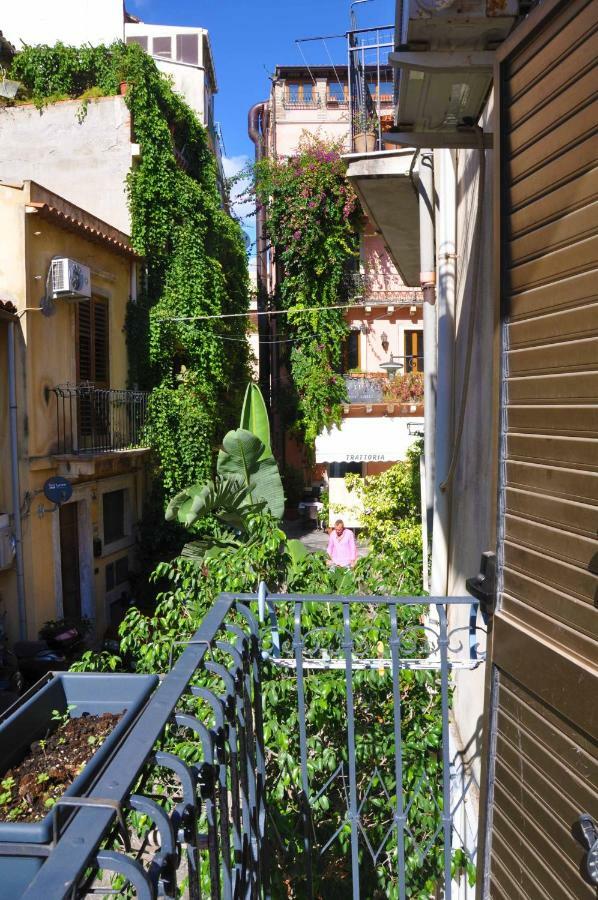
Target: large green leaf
(242,457)
(254,417)
(226,498)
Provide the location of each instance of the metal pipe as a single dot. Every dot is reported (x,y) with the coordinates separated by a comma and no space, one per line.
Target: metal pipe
(14,473)
(256,131)
(446,186)
(427,277)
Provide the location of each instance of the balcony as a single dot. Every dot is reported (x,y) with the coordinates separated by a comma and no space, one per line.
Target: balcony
(382,289)
(187,802)
(371,389)
(372,87)
(92,420)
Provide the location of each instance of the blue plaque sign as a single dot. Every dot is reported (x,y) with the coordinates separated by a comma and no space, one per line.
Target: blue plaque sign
(58,490)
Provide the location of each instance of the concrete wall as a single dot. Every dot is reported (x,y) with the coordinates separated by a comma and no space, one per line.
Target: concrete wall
(70,21)
(84,159)
(473,494)
(46,357)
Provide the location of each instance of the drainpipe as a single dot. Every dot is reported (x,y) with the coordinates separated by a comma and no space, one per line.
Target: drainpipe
(427,278)
(14,473)
(256,131)
(446,186)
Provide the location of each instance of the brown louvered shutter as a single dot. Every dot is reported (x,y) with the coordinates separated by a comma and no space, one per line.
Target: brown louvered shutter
(93,342)
(100,343)
(543,743)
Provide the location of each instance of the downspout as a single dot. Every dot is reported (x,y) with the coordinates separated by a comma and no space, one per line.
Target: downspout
(256,132)
(14,474)
(446,186)
(427,278)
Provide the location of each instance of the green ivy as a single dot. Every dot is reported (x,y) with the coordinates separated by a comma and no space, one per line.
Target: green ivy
(313,223)
(195,257)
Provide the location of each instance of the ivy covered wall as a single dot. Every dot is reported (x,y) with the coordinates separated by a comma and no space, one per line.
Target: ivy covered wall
(195,258)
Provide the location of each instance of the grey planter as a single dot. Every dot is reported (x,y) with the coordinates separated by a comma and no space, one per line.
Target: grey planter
(93,693)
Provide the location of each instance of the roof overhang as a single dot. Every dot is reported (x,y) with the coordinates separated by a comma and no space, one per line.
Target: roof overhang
(384,183)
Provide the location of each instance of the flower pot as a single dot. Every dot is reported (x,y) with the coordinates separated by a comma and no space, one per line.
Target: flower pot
(364,142)
(9,88)
(92,693)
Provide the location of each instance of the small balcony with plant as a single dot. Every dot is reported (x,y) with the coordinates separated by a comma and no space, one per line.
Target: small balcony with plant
(372,87)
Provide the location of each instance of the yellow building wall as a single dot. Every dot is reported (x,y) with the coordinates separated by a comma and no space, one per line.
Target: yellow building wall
(46,357)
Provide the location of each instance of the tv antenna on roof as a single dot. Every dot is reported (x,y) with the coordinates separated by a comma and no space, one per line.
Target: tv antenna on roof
(353,16)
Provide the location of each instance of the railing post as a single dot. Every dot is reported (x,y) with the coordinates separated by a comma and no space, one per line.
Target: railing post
(305,804)
(443,642)
(353,810)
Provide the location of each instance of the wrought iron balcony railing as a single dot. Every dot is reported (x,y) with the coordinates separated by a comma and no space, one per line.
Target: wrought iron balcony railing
(211,825)
(364,389)
(382,288)
(98,420)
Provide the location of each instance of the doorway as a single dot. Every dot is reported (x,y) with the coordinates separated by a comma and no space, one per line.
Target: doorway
(69,561)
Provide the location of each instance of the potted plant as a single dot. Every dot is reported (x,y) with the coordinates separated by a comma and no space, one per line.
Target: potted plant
(364,131)
(31,781)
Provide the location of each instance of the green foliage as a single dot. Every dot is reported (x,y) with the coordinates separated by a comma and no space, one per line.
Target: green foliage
(195,256)
(226,498)
(254,417)
(313,223)
(243,457)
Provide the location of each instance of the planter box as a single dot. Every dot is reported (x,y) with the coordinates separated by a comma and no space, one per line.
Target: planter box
(93,693)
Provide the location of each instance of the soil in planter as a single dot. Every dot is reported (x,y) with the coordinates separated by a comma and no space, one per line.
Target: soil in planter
(29,790)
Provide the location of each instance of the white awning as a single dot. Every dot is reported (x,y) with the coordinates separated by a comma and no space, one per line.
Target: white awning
(383,439)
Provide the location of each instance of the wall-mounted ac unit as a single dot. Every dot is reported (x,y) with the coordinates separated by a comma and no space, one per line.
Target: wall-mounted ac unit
(68,278)
(457,24)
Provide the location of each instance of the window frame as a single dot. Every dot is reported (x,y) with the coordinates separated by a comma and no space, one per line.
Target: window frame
(128,539)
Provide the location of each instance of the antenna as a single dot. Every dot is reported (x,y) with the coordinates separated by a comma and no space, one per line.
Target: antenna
(353,16)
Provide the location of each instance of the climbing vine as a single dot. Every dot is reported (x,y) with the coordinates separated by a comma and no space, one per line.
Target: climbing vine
(313,220)
(195,258)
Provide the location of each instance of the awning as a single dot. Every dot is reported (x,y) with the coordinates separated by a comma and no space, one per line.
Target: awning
(370,439)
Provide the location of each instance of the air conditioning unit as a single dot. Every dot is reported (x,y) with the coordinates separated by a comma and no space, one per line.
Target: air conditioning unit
(457,24)
(68,278)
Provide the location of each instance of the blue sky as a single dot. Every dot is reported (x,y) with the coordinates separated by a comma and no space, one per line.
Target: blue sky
(250,38)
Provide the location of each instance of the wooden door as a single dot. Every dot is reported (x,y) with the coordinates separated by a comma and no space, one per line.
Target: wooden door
(69,561)
(542,750)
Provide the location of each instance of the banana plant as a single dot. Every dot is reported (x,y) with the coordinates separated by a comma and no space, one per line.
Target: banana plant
(247,482)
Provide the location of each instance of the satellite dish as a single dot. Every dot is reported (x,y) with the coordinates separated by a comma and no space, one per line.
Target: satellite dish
(58,490)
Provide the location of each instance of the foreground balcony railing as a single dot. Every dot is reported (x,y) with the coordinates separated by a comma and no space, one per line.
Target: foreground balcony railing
(98,420)
(212,827)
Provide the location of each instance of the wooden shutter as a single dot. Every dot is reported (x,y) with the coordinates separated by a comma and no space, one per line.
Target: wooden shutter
(543,745)
(93,359)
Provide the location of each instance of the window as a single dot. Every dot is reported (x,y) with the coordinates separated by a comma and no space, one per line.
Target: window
(299,93)
(140,39)
(351,351)
(187,48)
(113,516)
(337,93)
(93,342)
(414,351)
(162,46)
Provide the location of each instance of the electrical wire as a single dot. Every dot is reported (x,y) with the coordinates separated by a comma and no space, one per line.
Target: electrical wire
(416,301)
(472,313)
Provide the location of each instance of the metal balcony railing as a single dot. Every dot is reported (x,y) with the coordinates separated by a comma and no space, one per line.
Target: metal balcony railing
(371,86)
(212,825)
(98,420)
(364,389)
(382,288)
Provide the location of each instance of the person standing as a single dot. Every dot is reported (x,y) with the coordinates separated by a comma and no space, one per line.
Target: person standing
(342,548)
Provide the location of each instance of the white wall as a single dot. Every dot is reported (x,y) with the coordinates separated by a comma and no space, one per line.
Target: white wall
(69,21)
(85,161)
